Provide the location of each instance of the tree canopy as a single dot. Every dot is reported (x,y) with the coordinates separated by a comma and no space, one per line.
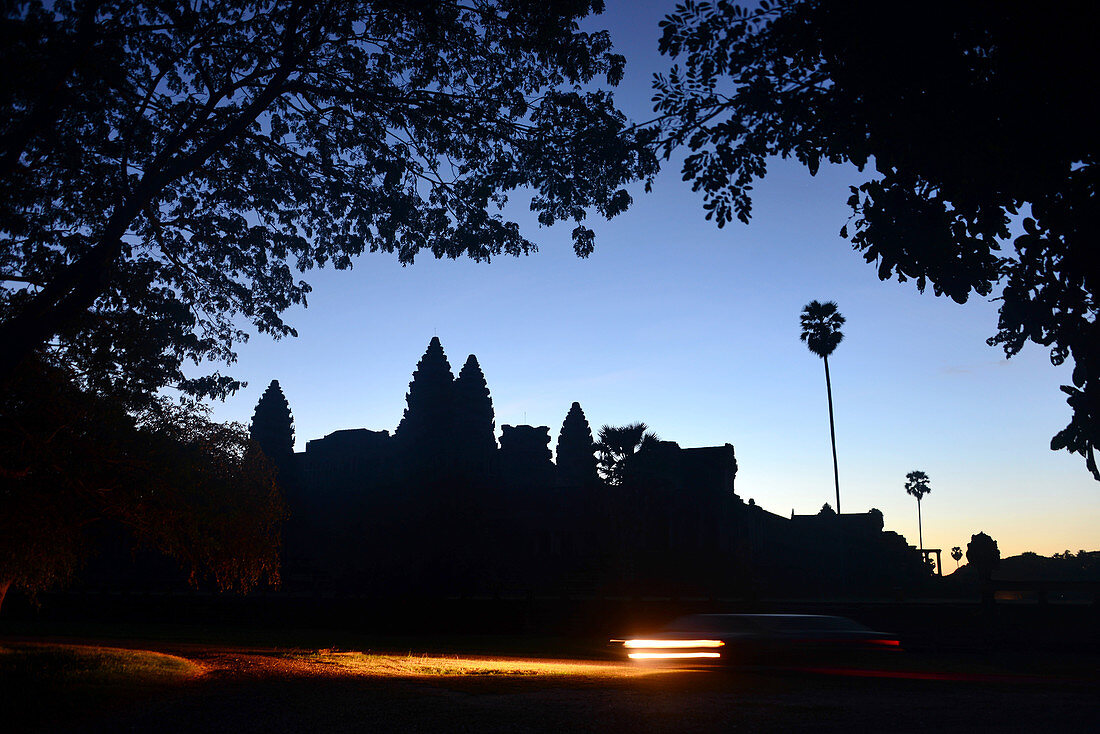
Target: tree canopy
(916,484)
(166,168)
(975,118)
(616,447)
(821,324)
(195,490)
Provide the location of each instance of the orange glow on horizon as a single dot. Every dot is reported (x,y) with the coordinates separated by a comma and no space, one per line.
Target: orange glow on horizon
(674,643)
(671,655)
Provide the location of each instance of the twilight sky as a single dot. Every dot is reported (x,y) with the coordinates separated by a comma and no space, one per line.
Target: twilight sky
(694,330)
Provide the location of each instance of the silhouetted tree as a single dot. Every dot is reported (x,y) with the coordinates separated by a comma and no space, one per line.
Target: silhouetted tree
(191,488)
(617,445)
(424,432)
(164,167)
(957,554)
(474,425)
(576,451)
(971,113)
(916,484)
(272,426)
(827,509)
(821,324)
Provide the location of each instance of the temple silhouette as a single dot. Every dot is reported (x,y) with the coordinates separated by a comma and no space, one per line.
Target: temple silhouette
(438,507)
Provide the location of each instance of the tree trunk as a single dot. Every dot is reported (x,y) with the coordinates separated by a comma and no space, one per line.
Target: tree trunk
(832,433)
(920,530)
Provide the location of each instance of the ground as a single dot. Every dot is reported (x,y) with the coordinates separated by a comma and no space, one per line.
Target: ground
(164,685)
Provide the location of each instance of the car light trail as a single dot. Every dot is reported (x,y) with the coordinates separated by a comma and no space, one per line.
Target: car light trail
(671,655)
(673,643)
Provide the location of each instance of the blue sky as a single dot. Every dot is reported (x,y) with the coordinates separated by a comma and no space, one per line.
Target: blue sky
(694,330)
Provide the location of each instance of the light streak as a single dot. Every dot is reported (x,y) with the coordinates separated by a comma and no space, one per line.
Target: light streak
(671,655)
(673,643)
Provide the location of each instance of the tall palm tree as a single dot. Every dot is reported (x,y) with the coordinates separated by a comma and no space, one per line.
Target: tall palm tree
(916,484)
(617,444)
(821,324)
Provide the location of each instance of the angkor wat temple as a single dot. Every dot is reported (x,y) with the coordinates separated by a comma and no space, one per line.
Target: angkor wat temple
(440,508)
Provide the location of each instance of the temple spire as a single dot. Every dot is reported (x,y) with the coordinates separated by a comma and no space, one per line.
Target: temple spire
(474,424)
(424,429)
(576,456)
(272,425)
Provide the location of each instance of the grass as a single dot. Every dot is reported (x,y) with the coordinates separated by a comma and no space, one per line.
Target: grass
(423,666)
(518,645)
(81,664)
(56,684)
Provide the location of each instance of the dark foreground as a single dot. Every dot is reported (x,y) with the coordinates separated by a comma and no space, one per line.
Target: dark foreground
(248,688)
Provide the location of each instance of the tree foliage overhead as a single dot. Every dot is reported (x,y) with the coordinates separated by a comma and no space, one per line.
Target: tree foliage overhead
(973,115)
(165,168)
(272,426)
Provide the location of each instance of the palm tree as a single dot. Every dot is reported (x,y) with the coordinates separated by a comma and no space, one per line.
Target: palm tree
(617,444)
(957,554)
(916,484)
(821,324)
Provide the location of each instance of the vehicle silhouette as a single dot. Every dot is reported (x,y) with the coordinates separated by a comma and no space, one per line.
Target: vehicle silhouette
(759,639)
